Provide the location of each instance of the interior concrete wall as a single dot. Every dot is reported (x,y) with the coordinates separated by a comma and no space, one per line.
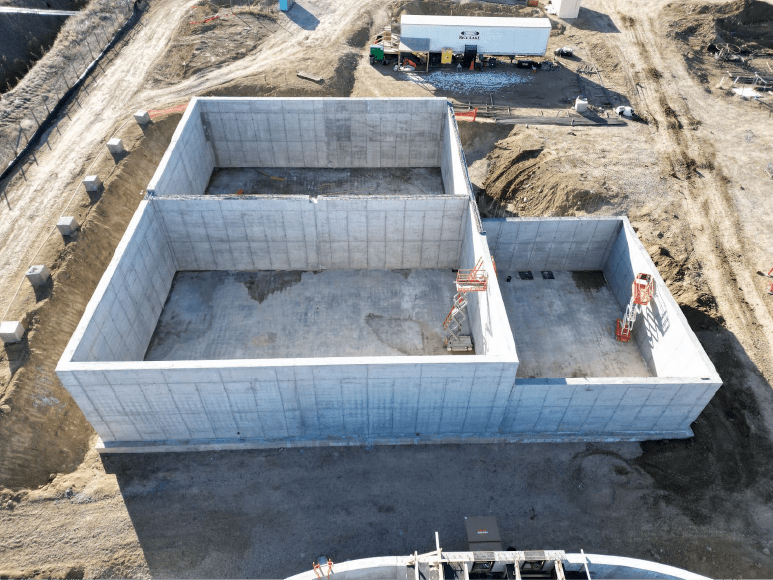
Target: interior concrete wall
(329,132)
(624,408)
(452,164)
(232,402)
(661,331)
(551,243)
(293,233)
(122,313)
(489,323)
(188,161)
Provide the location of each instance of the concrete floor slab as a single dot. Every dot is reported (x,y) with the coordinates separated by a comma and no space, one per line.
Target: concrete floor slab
(218,315)
(311,181)
(564,327)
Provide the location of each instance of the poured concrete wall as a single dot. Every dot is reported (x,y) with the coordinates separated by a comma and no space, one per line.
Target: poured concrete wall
(623,408)
(237,402)
(314,132)
(122,314)
(661,331)
(452,164)
(664,405)
(189,160)
(267,402)
(486,311)
(551,243)
(294,233)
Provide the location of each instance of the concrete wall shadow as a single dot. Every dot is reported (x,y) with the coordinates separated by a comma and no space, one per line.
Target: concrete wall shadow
(302,17)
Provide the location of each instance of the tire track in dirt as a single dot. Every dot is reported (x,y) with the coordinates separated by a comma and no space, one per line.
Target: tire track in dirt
(714,223)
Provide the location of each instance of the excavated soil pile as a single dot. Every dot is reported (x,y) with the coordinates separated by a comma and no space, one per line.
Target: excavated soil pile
(42,429)
(211,35)
(448,8)
(24,38)
(744,28)
(527,178)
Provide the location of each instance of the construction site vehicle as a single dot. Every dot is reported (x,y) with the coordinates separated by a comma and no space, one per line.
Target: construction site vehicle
(642,291)
(564,51)
(625,112)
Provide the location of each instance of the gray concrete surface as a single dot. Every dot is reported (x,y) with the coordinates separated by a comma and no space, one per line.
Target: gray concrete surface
(321,181)
(261,233)
(268,314)
(564,327)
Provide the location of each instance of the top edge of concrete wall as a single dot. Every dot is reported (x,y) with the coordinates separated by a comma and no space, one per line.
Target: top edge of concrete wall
(283,99)
(68,365)
(616,218)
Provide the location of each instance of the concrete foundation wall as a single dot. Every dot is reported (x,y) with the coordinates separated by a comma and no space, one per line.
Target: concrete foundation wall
(551,243)
(188,162)
(486,311)
(311,400)
(123,311)
(315,132)
(628,408)
(661,331)
(297,234)
(452,164)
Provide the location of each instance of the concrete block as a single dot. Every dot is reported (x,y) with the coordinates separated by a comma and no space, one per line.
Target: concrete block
(115,146)
(38,275)
(92,183)
(142,117)
(67,225)
(11,331)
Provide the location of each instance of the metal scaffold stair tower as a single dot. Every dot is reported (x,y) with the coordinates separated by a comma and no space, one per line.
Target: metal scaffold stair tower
(642,291)
(475,280)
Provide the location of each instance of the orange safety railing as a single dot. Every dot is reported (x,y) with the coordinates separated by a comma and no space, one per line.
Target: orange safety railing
(475,280)
(472,114)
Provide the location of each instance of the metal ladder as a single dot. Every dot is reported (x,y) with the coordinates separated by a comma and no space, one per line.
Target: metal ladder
(455,319)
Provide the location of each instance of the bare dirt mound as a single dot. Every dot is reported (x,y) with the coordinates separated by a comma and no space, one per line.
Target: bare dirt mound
(25,38)
(212,34)
(744,29)
(337,81)
(448,8)
(527,178)
(42,429)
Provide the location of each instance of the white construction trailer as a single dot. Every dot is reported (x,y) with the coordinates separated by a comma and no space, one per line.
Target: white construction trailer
(491,36)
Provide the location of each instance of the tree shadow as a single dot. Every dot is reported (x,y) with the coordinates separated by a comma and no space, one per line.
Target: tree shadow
(302,17)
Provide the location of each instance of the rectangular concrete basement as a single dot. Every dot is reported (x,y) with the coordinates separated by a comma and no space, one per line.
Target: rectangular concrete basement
(284,283)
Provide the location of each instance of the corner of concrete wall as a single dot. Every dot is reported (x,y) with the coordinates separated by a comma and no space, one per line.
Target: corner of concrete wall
(122,314)
(662,333)
(188,162)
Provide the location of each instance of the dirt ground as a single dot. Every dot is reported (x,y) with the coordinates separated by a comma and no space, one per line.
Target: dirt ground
(690,174)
